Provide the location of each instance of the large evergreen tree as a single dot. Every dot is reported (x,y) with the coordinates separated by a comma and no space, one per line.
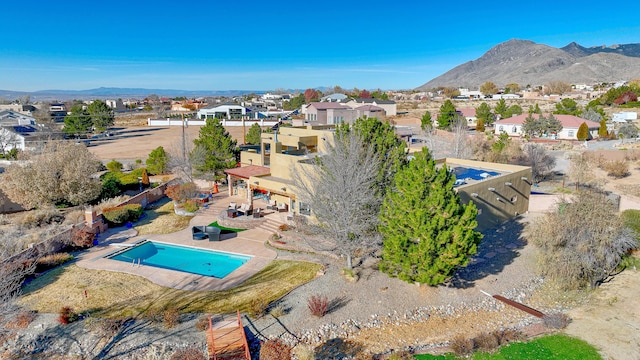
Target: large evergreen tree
(158,161)
(77,122)
(253,135)
(101,115)
(427,232)
(215,149)
(501,109)
(484,112)
(447,115)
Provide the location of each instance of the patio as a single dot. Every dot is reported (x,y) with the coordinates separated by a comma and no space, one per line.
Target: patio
(249,242)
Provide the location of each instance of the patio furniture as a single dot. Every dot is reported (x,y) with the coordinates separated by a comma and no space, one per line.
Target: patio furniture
(205,232)
(245,209)
(272,205)
(202,198)
(197,233)
(282,207)
(233,205)
(231,213)
(257,213)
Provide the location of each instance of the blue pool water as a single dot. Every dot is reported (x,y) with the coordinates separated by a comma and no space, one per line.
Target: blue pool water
(463,173)
(173,257)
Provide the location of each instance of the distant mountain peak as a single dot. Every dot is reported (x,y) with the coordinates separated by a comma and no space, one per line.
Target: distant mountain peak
(527,63)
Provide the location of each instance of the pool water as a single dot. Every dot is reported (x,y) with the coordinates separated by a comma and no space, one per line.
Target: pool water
(463,173)
(181,258)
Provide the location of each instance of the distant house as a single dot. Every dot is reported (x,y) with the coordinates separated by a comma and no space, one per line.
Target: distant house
(470,115)
(389,106)
(224,111)
(337,97)
(11,118)
(624,117)
(328,113)
(570,125)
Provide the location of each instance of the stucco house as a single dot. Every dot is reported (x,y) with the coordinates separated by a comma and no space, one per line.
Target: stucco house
(470,115)
(224,111)
(389,106)
(570,125)
(500,191)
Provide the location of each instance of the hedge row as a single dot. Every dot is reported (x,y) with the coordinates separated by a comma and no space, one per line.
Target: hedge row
(121,214)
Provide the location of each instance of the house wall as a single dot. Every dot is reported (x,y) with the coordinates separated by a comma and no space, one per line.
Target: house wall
(505,201)
(337,116)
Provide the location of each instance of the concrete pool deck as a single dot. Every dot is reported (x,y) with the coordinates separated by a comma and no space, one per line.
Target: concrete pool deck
(249,242)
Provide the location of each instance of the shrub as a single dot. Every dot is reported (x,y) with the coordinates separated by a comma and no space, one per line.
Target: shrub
(275,349)
(170,317)
(278,311)
(114,166)
(318,305)
(41,217)
(22,320)
(110,187)
(284,227)
(181,192)
(556,320)
(486,342)
(53,260)
(82,237)
(461,345)
(617,168)
(145,178)
(631,219)
(190,353)
(67,315)
(121,214)
(190,206)
(257,307)
(113,326)
(508,336)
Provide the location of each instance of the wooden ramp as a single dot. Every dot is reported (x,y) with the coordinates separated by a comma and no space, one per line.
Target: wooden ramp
(227,340)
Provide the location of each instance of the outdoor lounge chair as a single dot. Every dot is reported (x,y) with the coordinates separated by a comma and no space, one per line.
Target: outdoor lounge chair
(282,207)
(245,209)
(233,205)
(272,205)
(205,232)
(257,213)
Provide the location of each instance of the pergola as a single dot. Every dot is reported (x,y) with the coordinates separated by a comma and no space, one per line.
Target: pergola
(242,174)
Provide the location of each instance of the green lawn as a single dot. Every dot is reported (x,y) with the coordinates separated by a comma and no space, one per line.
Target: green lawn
(226,230)
(551,347)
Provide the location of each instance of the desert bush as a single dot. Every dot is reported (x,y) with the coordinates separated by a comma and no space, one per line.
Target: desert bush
(202,324)
(113,326)
(170,317)
(556,320)
(617,169)
(278,311)
(275,349)
(508,336)
(631,219)
(190,205)
(82,237)
(189,353)
(486,342)
(284,227)
(22,320)
(50,261)
(257,307)
(461,345)
(41,217)
(67,315)
(318,305)
(304,352)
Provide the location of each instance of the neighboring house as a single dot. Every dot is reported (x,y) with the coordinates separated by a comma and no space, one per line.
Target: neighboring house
(371,111)
(17,137)
(337,97)
(11,118)
(224,111)
(500,191)
(389,106)
(570,125)
(328,113)
(624,117)
(470,115)
(505,96)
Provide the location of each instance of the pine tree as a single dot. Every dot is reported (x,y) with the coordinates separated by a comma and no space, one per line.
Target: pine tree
(484,112)
(583,132)
(447,114)
(602,132)
(158,161)
(428,233)
(480,126)
(214,149)
(254,134)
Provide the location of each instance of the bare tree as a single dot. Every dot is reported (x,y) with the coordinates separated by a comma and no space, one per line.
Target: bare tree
(182,157)
(339,189)
(582,174)
(536,156)
(583,241)
(460,147)
(8,140)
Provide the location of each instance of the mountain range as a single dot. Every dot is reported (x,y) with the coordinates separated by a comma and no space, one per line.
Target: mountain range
(114,92)
(527,63)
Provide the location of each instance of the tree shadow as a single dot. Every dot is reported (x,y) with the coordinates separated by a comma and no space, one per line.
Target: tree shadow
(499,247)
(337,303)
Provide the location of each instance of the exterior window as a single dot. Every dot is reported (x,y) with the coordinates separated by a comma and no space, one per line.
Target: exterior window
(514,129)
(305,209)
(501,128)
(570,133)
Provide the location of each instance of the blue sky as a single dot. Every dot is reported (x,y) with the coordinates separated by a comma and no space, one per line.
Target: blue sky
(265,45)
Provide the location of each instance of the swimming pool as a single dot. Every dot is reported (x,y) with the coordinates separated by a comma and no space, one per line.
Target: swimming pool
(181,258)
(464,173)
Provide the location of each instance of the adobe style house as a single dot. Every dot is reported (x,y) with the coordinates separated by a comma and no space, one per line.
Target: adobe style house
(500,191)
(333,113)
(570,125)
